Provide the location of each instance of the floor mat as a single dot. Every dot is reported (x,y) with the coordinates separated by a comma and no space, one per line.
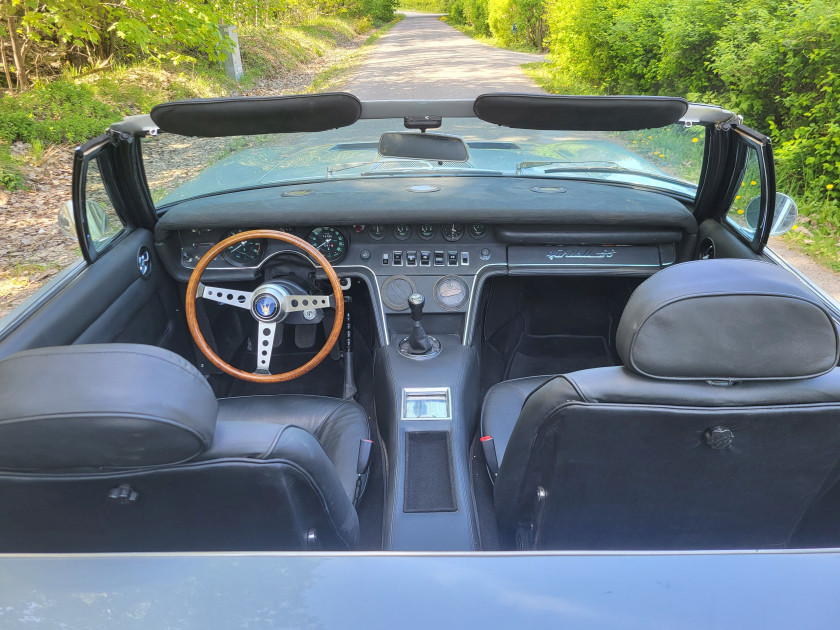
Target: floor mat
(557,354)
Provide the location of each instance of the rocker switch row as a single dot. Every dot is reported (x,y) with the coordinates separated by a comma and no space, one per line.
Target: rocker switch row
(425,259)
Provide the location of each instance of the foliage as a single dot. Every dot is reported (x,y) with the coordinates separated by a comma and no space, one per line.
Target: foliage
(429,6)
(776,62)
(10,175)
(79,105)
(39,40)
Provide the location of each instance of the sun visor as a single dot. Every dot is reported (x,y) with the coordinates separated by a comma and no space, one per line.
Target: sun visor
(579,113)
(218,117)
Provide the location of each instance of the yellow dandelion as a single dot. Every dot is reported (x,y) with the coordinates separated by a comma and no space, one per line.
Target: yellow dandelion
(695,139)
(743,184)
(737,197)
(795,227)
(634,142)
(829,186)
(650,137)
(752,183)
(740,211)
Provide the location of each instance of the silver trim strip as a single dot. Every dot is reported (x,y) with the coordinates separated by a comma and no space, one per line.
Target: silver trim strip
(483,272)
(420,554)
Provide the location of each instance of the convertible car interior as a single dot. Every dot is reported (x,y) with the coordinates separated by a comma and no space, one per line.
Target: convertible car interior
(315,323)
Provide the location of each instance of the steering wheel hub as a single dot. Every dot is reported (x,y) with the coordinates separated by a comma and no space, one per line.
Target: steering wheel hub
(268,303)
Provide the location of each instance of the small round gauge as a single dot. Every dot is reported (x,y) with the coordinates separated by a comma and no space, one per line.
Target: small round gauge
(376,231)
(453,232)
(402,232)
(478,230)
(243,253)
(329,241)
(426,231)
(451,293)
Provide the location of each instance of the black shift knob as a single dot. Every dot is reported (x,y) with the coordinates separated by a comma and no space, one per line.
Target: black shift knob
(415,303)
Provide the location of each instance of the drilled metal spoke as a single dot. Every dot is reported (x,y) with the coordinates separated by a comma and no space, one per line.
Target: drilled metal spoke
(292,303)
(242,299)
(265,339)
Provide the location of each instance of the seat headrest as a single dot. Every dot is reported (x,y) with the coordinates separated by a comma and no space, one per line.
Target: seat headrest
(102,406)
(727,319)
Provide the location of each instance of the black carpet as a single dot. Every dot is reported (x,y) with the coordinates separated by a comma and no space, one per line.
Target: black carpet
(557,354)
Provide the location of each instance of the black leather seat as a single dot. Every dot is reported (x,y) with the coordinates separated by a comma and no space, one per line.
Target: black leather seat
(720,431)
(123,447)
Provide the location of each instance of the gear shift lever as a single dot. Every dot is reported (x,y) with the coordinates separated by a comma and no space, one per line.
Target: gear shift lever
(418,343)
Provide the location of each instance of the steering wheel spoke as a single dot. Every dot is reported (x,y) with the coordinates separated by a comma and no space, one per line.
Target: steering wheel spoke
(293,303)
(265,340)
(242,299)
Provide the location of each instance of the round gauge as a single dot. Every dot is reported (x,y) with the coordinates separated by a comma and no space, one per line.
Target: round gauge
(426,231)
(243,253)
(376,231)
(451,293)
(453,232)
(478,230)
(329,241)
(402,232)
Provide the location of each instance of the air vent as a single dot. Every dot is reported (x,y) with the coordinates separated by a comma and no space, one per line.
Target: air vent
(707,249)
(395,292)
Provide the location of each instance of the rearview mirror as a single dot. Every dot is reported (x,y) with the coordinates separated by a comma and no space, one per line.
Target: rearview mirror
(784,217)
(423,146)
(96,216)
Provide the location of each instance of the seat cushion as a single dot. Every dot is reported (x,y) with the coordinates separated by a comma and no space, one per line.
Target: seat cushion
(338,424)
(501,408)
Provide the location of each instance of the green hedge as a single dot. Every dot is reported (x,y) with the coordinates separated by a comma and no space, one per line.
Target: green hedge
(777,62)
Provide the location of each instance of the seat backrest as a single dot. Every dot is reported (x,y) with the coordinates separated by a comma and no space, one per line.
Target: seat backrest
(720,431)
(117,448)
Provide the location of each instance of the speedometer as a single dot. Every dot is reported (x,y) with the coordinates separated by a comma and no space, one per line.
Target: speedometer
(329,241)
(243,253)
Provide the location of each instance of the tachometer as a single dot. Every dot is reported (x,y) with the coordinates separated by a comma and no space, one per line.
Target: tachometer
(329,241)
(243,253)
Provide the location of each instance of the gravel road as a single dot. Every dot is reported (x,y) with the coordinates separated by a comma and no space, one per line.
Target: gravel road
(424,58)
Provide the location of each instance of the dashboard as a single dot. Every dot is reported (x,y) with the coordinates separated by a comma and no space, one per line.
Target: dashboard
(444,244)
(439,260)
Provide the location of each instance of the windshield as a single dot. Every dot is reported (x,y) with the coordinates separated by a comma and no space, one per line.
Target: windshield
(179,168)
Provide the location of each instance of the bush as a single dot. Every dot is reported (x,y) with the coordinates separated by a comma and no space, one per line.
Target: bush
(776,62)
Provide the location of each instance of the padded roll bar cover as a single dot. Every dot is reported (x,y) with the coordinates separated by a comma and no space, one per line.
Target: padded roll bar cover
(727,319)
(579,113)
(99,406)
(218,117)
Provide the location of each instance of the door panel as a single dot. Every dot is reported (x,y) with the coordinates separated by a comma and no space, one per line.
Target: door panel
(109,301)
(723,241)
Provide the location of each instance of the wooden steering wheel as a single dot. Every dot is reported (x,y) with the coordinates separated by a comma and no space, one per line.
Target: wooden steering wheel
(268,304)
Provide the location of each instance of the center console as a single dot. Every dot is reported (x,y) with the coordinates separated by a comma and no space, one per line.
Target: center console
(427,407)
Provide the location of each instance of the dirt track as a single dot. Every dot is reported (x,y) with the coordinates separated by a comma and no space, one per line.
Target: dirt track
(424,58)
